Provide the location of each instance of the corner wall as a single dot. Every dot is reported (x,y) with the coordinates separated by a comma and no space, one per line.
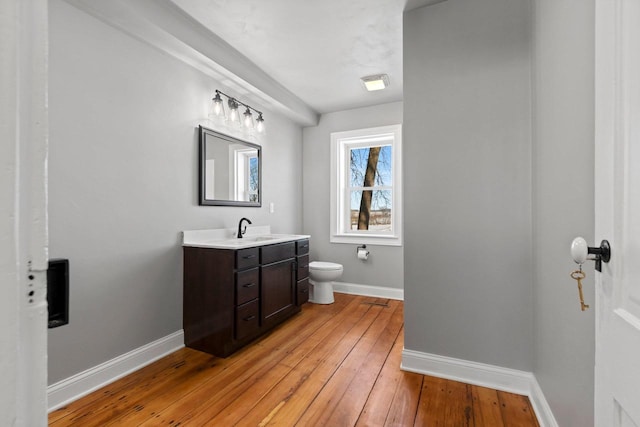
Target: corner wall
(123,185)
(384,266)
(467,163)
(563,207)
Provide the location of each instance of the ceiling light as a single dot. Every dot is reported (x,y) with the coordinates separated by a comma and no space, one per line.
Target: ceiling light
(376,82)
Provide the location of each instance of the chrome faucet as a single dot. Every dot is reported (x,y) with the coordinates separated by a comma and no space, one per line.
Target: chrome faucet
(241,231)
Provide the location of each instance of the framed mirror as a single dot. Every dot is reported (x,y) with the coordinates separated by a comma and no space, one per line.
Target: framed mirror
(230,172)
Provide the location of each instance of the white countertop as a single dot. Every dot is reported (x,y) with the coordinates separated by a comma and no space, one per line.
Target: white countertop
(225,238)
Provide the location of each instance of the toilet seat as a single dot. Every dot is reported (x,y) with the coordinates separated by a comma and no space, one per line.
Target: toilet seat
(324,266)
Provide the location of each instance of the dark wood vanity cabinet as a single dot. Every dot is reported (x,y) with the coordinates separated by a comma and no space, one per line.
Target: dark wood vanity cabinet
(233,296)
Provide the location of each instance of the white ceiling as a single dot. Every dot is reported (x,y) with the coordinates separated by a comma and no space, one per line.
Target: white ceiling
(318,50)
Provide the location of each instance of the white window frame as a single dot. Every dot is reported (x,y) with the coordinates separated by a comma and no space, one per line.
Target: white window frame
(341,143)
(242,172)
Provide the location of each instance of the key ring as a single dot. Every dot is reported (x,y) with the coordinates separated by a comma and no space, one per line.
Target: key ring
(578,275)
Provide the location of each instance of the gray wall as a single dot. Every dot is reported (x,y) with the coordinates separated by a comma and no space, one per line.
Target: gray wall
(563,159)
(122,185)
(467,154)
(384,266)
(466,123)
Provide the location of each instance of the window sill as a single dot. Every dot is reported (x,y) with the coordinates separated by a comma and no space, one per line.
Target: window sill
(366,239)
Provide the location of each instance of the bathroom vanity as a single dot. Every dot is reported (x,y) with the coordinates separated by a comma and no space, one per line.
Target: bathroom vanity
(235,290)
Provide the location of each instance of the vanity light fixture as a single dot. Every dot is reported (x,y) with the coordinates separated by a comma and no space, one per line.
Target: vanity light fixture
(375,82)
(217,110)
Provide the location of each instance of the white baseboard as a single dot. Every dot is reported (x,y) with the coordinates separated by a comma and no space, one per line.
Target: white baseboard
(368,290)
(83,383)
(496,377)
(541,406)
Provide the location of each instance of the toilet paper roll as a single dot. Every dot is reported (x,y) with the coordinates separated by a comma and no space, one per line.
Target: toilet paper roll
(363,254)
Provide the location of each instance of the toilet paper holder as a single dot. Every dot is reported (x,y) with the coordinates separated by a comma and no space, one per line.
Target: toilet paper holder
(362,249)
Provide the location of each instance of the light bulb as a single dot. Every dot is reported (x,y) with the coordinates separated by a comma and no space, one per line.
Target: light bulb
(218,106)
(248,119)
(234,116)
(260,123)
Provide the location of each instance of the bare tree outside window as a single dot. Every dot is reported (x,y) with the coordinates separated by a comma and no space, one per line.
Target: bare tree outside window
(371,191)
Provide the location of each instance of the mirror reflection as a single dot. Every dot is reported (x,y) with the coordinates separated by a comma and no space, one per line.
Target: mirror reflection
(230,170)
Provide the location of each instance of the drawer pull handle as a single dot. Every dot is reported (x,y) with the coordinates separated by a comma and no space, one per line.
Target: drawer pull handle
(249,285)
(248,256)
(246,319)
(305,266)
(304,246)
(304,291)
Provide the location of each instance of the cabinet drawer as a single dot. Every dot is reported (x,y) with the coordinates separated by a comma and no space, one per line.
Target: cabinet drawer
(247,285)
(302,247)
(247,319)
(279,252)
(303,267)
(247,258)
(302,294)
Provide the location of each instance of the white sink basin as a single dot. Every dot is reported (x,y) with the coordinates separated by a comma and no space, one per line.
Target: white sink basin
(258,238)
(219,239)
(245,240)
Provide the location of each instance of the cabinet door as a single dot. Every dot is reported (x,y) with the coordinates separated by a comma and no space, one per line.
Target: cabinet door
(278,288)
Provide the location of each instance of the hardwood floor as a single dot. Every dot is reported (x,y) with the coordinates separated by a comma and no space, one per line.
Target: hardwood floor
(335,365)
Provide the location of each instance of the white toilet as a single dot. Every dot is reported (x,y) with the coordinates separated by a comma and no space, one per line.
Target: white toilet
(321,278)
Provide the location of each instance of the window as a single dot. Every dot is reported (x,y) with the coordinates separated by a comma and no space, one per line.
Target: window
(366,187)
(246,179)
